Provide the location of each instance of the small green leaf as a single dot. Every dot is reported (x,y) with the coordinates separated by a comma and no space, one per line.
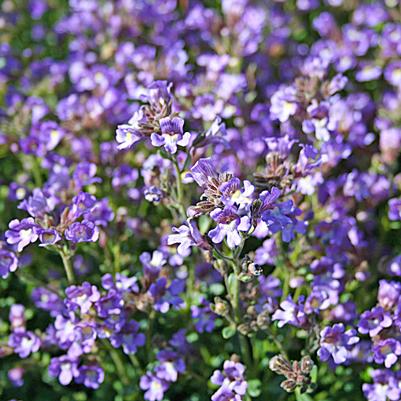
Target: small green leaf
(228,332)
(254,389)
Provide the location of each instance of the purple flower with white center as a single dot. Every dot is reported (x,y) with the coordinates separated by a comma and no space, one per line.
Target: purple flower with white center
(152,263)
(153,194)
(229,225)
(120,283)
(170,366)
(394,212)
(8,263)
(283,103)
(127,135)
(232,193)
(187,236)
(22,233)
(86,231)
(110,304)
(47,300)
(48,236)
(172,134)
(65,329)
(82,203)
(388,294)
(336,343)
(129,338)
(203,316)
(231,381)
(153,386)
(392,73)
(17,317)
(81,297)
(24,343)
(38,204)
(386,386)
(65,368)
(291,313)
(387,352)
(91,376)
(374,321)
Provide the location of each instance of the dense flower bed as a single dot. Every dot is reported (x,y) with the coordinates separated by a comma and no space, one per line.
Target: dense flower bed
(200,200)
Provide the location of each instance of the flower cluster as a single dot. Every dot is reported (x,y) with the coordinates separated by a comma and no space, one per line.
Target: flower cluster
(192,187)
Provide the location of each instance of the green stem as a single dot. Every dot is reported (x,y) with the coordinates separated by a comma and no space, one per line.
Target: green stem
(36,172)
(69,271)
(235,304)
(180,190)
(118,362)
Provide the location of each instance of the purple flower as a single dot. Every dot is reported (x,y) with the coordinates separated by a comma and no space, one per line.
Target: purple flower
(374,321)
(65,368)
(388,294)
(283,103)
(166,297)
(187,236)
(81,297)
(203,316)
(172,134)
(47,300)
(386,386)
(129,338)
(91,376)
(204,172)
(8,263)
(231,381)
(336,343)
(171,365)
(155,387)
(22,232)
(128,135)
(49,236)
(24,343)
(394,212)
(387,352)
(16,376)
(38,204)
(229,226)
(291,313)
(82,232)
(392,73)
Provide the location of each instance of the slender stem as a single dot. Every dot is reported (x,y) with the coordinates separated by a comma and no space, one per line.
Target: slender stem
(235,304)
(135,362)
(36,172)
(69,271)
(180,189)
(118,362)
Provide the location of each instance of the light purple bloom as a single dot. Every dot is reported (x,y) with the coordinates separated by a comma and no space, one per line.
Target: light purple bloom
(336,343)
(229,226)
(171,135)
(374,321)
(387,352)
(82,232)
(8,263)
(22,233)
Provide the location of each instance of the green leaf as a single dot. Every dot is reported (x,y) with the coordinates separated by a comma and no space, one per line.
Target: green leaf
(254,387)
(228,332)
